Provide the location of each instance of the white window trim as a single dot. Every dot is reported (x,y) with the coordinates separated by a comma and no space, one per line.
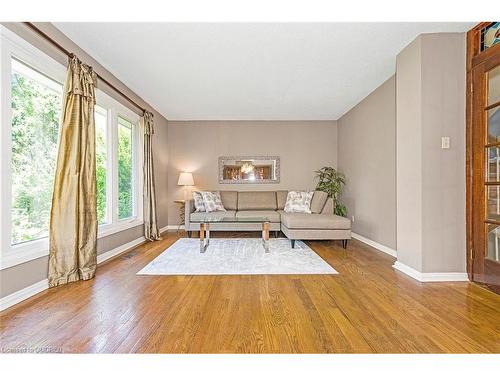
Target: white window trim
(11,45)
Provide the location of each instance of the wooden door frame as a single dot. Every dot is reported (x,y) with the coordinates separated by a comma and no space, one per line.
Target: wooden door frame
(474,58)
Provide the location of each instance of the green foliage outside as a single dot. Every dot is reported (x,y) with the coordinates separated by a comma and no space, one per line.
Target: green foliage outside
(36,110)
(100,145)
(125,178)
(125,170)
(331,182)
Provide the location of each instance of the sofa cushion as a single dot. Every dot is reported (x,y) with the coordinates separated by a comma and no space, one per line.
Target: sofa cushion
(281,198)
(199,206)
(256,200)
(328,207)
(299,201)
(273,216)
(212,201)
(229,199)
(198,216)
(318,201)
(310,221)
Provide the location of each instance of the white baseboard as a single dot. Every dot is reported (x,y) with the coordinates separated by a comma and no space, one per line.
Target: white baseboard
(23,294)
(40,286)
(118,250)
(174,227)
(426,277)
(376,245)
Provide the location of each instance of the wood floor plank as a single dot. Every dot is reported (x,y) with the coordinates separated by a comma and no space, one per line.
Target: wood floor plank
(368,307)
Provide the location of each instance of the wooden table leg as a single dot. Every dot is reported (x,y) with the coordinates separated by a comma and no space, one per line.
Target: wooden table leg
(265,236)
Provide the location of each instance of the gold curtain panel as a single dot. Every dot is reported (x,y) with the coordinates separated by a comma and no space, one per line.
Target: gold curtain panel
(73,217)
(151,231)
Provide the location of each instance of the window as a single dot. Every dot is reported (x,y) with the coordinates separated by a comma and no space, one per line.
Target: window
(101,124)
(118,166)
(125,169)
(31,95)
(36,110)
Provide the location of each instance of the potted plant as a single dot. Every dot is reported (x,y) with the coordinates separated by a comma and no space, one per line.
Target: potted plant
(331,182)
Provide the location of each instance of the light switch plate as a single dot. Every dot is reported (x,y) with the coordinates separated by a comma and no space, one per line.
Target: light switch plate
(445,143)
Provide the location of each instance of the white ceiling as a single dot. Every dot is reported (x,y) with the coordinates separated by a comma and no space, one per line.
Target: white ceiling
(250,71)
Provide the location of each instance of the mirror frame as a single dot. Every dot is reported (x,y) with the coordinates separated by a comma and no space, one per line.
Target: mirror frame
(224,159)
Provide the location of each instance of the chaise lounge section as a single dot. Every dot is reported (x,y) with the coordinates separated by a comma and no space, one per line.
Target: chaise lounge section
(321,224)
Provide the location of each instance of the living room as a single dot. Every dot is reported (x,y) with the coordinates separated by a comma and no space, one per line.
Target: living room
(281,187)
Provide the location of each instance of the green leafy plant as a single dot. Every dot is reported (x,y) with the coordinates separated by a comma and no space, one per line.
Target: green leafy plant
(331,182)
(36,110)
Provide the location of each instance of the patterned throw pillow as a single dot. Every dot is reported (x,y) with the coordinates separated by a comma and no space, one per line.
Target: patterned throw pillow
(212,201)
(299,201)
(198,202)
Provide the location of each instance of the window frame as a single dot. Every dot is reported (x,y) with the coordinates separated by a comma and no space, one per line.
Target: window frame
(109,165)
(13,46)
(115,110)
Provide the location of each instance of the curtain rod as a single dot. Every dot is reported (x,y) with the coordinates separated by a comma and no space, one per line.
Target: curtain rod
(70,54)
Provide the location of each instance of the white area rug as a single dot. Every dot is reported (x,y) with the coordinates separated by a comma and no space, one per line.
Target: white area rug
(237,256)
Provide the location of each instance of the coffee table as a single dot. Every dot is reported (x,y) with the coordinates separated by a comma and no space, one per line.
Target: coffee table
(207,220)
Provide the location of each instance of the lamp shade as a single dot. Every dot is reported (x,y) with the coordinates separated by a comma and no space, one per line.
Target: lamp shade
(185,179)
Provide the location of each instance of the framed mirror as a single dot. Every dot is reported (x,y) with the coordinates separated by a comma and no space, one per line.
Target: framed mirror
(249,169)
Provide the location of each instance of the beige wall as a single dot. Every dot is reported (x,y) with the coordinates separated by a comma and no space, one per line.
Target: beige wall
(443,171)
(430,180)
(195,146)
(20,276)
(367,156)
(409,155)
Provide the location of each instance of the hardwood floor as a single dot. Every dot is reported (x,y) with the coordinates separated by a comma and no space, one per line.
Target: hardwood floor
(368,307)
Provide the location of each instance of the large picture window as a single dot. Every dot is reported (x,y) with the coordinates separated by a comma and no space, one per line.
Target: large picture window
(36,110)
(125,169)
(118,165)
(31,86)
(101,148)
